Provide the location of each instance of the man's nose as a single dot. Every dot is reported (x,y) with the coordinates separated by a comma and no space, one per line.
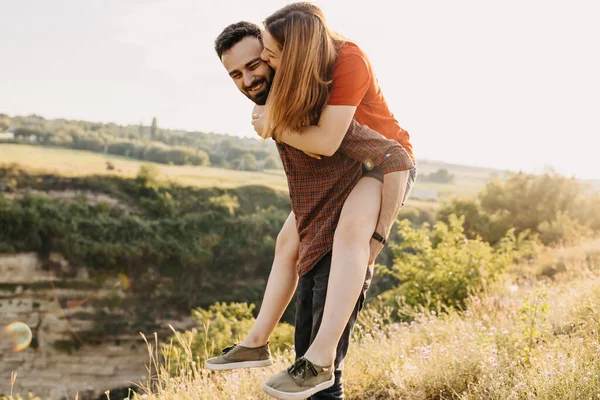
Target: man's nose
(249,78)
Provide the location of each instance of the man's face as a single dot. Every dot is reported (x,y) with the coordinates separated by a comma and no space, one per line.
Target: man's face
(250,73)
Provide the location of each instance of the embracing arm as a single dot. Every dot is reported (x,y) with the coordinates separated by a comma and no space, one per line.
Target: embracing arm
(392,195)
(326,137)
(352,77)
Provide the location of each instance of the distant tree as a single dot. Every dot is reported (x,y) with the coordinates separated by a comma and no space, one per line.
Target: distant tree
(168,146)
(154,129)
(440,176)
(248,162)
(271,163)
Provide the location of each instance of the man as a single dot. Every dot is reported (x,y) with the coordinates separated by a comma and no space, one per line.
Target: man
(317,193)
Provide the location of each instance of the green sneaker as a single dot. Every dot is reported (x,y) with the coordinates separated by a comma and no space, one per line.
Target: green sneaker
(237,356)
(299,381)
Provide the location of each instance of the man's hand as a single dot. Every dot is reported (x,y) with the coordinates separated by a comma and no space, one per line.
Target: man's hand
(375,248)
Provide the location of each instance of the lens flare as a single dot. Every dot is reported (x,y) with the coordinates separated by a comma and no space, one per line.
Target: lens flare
(124,281)
(20,335)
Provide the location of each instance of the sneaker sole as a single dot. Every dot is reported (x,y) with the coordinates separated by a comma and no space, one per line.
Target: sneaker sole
(298,395)
(239,365)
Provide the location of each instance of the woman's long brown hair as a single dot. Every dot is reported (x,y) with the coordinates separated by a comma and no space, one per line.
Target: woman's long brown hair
(301,85)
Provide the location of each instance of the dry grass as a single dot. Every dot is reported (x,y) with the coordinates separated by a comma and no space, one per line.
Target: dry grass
(537,340)
(531,340)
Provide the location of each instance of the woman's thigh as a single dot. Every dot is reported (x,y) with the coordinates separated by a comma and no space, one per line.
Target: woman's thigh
(361,210)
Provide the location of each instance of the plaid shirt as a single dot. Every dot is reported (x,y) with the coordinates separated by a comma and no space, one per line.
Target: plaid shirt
(319,188)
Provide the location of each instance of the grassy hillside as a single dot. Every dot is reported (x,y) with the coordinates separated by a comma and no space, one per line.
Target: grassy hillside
(71,163)
(66,162)
(529,337)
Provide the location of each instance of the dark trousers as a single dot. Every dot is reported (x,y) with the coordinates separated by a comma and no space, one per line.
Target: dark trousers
(310,302)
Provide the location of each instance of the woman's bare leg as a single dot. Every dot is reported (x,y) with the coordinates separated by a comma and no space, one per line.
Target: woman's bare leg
(348,267)
(280,286)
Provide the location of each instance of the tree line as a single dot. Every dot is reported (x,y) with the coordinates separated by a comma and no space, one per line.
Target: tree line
(148,143)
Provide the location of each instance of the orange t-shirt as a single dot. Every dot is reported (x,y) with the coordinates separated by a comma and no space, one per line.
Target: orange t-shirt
(354,84)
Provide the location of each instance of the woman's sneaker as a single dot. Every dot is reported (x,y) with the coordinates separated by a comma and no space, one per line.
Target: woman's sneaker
(237,356)
(299,381)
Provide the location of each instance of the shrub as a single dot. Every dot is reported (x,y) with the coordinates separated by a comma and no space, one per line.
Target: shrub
(441,266)
(477,223)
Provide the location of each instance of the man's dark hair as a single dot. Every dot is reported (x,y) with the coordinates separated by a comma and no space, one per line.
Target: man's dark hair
(233,34)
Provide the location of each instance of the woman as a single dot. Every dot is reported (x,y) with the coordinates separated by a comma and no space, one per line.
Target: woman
(315,119)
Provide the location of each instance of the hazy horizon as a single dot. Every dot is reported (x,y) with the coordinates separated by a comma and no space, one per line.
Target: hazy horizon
(506,86)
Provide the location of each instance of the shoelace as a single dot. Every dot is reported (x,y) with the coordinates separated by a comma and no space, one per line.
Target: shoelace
(299,368)
(228,349)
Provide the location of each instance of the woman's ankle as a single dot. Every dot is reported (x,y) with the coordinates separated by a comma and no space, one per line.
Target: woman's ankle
(319,359)
(253,341)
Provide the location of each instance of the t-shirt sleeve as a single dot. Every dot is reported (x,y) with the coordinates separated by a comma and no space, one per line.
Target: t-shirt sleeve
(351,79)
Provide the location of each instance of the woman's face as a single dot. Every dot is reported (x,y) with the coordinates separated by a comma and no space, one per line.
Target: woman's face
(271,52)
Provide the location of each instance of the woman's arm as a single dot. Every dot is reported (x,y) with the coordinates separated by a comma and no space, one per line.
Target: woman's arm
(326,137)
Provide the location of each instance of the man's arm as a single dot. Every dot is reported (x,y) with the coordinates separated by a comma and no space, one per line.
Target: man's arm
(392,195)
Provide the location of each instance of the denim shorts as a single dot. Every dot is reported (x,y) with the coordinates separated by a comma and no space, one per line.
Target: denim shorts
(376,173)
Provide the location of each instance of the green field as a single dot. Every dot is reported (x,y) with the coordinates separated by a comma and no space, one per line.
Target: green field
(66,162)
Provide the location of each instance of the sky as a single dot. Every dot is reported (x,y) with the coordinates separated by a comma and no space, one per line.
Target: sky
(512,84)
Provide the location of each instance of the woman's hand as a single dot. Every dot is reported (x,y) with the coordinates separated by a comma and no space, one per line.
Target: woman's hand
(258,120)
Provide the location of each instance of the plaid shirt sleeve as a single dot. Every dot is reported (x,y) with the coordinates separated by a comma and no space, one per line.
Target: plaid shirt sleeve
(368,146)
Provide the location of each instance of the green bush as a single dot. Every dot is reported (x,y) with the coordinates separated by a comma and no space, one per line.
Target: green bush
(477,223)
(562,230)
(181,247)
(441,266)
(558,209)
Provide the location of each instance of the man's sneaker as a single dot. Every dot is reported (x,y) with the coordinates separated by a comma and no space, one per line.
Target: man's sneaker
(237,356)
(299,381)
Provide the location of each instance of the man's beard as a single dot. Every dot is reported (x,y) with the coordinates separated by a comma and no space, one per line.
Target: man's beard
(261,97)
